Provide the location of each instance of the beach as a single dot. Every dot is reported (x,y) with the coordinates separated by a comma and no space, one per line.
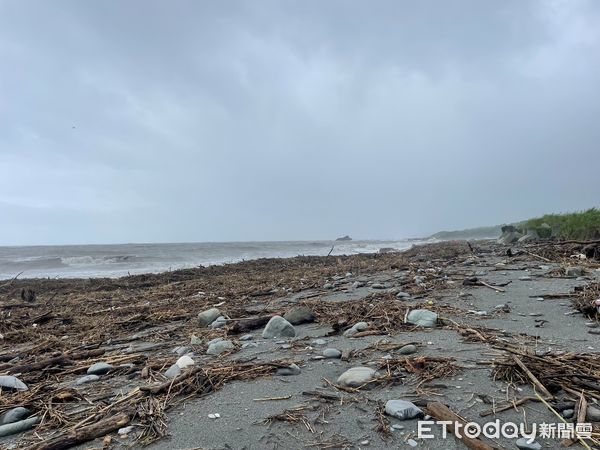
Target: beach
(236,386)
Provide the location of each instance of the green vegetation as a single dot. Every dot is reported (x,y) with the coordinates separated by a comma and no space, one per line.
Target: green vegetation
(471,233)
(583,225)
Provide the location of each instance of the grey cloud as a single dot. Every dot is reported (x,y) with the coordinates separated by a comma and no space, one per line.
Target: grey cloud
(137,121)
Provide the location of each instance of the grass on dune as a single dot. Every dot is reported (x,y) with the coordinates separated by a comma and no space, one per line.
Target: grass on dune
(579,225)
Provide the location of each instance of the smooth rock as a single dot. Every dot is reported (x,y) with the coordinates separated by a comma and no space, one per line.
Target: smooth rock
(402,409)
(182,350)
(422,318)
(328,286)
(356,376)
(219,322)
(360,326)
(212,341)
(278,327)
(568,413)
(593,414)
(358,284)
(205,318)
(100,368)
(14,415)
(332,353)
(523,444)
(247,337)
(87,379)
(408,349)
(125,430)
(185,361)
(173,371)
(249,345)
(195,340)
(412,443)
(574,271)
(10,382)
(216,348)
(292,369)
(378,286)
(319,342)
(403,295)
(298,315)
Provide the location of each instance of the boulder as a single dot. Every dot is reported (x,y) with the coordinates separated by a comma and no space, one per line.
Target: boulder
(402,409)
(216,348)
(298,315)
(422,318)
(356,377)
(278,327)
(205,318)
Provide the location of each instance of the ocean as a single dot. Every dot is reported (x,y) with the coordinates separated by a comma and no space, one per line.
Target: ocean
(85,261)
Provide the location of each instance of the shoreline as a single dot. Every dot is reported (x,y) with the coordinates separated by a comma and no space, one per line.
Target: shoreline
(134,324)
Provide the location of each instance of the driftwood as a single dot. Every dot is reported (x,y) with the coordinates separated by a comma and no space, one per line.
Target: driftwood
(56,361)
(442,412)
(241,326)
(85,434)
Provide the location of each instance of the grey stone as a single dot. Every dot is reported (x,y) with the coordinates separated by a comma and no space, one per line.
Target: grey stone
(219,322)
(140,347)
(87,379)
(422,318)
(402,409)
(332,353)
(173,371)
(574,271)
(125,430)
(319,342)
(213,341)
(205,318)
(100,368)
(182,350)
(568,413)
(298,315)
(378,286)
(328,286)
(247,337)
(292,369)
(408,349)
(360,326)
(358,284)
(278,327)
(403,295)
(593,414)
(185,361)
(10,382)
(14,415)
(216,348)
(523,444)
(356,376)
(249,345)
(195,340)
(412,443)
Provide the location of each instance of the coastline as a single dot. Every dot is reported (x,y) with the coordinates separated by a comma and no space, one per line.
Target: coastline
(135,322)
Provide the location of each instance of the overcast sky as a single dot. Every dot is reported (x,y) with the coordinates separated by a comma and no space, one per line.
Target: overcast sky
(170,121)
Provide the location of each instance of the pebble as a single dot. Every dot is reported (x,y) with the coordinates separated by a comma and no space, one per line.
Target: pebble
(14,415)
(292,369)
(422,318)
(100,368)
(185,361)
(402,409)
(574,271)
(408,349)
(358,284)
(173,371)
(328,286)
(524,445)
(319,342)
(247,337)
(10,382)
(249,345)
(356,328)
(216,348)
(125,430)
(378,286)
(356,376)
(214,416)
(525,278)
(195,340)
(412,443)
(298,315)
(278,327)
(181,350)
(568,413)
(397,427)
(286,346)
(403,295)
(211,342)
(593,414)
(205,318)
(219,322)
(332,353)
(365,442)
(87,379)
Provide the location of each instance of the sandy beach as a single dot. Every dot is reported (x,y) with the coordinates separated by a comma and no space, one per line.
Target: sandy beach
(494,314)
